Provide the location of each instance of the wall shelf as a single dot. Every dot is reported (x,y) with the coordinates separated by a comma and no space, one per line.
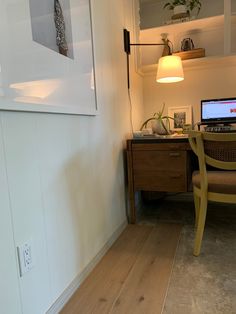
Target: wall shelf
(195,64)
(215,34)
(173,29)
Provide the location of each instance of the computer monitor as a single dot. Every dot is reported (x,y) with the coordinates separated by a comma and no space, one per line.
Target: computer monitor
(217,111)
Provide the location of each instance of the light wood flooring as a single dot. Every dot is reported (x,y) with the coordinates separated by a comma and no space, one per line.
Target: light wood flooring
(133,276)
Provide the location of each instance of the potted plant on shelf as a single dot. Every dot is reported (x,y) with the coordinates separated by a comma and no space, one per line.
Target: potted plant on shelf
(182,8)
(194,4)
(160,123)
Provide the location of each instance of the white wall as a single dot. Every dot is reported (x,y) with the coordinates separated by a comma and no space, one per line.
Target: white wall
(62,176)
(215,81)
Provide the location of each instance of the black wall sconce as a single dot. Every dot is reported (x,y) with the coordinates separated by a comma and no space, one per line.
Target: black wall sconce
(170,69)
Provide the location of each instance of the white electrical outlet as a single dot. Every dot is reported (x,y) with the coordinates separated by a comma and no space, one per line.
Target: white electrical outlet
(25,257)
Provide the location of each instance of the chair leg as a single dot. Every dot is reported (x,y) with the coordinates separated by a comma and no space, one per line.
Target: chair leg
(200,226)
(196,205)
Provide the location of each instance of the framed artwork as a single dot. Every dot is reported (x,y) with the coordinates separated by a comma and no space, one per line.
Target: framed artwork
(47,56)
(181,115)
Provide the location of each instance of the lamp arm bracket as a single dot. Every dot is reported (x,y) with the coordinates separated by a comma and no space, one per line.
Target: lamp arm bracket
(127,43)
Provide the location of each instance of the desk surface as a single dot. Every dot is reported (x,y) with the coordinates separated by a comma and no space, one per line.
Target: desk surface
(157,139)
(162,137)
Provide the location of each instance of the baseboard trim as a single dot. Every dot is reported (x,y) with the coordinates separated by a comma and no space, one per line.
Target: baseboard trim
(69,291)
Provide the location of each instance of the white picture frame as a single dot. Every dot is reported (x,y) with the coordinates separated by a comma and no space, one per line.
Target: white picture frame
(34,77)
(181,115)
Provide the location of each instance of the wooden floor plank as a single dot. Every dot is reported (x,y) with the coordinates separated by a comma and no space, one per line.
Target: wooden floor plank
(146,286)
(103,285)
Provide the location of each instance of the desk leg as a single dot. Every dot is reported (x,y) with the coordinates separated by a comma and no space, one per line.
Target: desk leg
(132,218)
(132,209)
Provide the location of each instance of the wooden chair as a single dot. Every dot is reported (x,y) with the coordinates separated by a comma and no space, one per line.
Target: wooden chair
(219,151)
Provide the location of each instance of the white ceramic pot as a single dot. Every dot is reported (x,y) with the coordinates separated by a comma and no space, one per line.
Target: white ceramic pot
(179,9)
(157,128)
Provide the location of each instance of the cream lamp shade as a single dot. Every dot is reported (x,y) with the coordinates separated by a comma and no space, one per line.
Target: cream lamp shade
(170,70)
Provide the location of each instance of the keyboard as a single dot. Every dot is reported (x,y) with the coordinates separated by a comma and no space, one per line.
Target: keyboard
(220,129)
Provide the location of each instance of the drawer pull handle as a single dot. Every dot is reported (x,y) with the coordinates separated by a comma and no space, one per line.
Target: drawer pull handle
(174,154)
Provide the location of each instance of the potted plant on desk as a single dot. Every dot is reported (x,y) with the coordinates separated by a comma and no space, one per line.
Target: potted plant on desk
(160,123)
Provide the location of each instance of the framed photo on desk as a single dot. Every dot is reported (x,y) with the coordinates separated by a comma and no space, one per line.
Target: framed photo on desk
(181,115)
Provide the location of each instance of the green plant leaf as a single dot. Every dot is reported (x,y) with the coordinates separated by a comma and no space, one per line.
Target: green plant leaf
(164,127)
(162,110)
(146,122)
(168,117)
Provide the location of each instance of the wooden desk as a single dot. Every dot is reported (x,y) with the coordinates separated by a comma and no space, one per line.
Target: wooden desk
(158,165)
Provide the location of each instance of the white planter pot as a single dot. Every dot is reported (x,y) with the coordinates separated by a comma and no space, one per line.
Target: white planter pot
(179,9)
(157,128)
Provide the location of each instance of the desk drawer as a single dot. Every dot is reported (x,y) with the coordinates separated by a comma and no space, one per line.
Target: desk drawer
(161,146)
(160,181)
(159,160)
(160,170)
